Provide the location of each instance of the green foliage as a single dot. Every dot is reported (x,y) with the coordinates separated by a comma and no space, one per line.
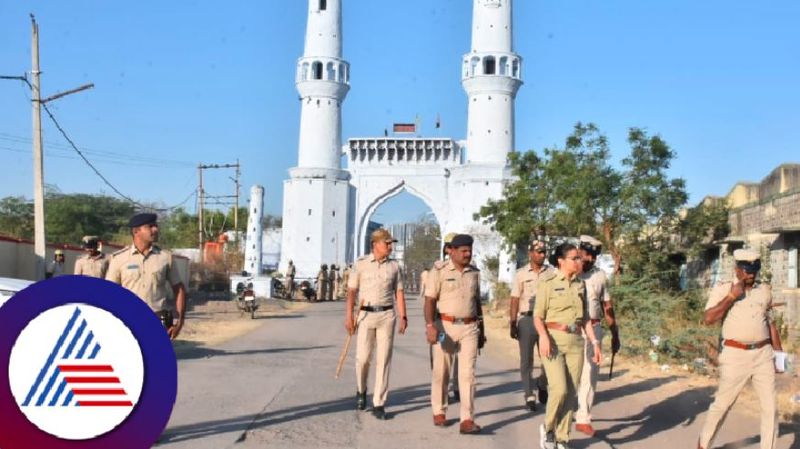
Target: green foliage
(68,217)
(703,225)
(645,310)
(423,246)
(16,217)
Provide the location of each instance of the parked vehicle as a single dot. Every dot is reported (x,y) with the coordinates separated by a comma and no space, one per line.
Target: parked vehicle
(246,299)
(10,286)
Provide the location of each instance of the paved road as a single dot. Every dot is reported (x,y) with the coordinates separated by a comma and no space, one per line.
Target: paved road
(274,388)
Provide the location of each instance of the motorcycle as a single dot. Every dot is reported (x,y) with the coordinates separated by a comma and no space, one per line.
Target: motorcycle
(279,290)
(308,292)
(246,299)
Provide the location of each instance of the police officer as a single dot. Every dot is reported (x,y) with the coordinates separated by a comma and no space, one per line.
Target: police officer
(377,281)
(291,271)
(94,263)
(322,283)
(345,278)
(453,289)
(749,342)
(333,283)
(523,297)
(148,271)
(446,248)
(559,315)
(600,305)
(56,267)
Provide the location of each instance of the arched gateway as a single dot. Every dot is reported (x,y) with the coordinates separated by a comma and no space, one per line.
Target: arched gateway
(326,207)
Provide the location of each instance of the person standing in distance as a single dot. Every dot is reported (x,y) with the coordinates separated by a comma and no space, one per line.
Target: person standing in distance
(291,271)
(560,316)
(523,298)
(600,306)
(454,291)
(94,263)
(148,272)
(377,282)
(56,267)
(749,342)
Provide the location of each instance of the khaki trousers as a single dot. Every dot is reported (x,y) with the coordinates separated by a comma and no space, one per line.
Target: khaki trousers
(527,338)
(563,369)
(589,376)
(461,339)
(375,330)
(322,290)
(736,367)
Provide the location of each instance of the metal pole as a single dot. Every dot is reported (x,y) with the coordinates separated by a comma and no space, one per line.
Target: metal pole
(200,201)
(236,213)
(38,159)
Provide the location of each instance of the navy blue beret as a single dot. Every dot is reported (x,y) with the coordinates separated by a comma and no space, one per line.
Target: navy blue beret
(142,219)
(461,240)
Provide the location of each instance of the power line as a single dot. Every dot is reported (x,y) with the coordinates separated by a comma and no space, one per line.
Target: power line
(89,163)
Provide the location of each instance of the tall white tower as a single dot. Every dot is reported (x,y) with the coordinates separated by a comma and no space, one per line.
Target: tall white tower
(315,200)
(252,249)
(491,76)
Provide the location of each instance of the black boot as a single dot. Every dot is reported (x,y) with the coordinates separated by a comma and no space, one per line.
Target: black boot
(543,395)
(379,412)
(361,401)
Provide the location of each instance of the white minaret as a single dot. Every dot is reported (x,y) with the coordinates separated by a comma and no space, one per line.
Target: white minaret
(315,199)
(252,249)
(491,76)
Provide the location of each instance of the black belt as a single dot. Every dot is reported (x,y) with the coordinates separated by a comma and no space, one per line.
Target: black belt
(528,313)
(376,308)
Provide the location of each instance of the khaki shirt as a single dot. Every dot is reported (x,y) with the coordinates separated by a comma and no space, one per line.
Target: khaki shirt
(747,319)
(525,283)
(151,277)
(561,300)
(457,292)
(290,272)
(376,280)
(95,267)
(596,291)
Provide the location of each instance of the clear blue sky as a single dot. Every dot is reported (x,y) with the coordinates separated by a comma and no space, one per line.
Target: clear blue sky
(183,82)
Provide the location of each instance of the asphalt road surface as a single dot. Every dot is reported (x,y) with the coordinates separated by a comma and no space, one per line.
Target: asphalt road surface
(274,388)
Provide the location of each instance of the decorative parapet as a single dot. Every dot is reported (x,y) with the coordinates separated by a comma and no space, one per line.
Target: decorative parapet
(365,152)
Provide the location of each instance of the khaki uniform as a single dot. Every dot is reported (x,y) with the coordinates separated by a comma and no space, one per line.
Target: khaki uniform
(95,267)
(322,285)
(335,281)
(377,282)
(151,276)
(596,294)
(343,284)
(524,288)
(562,301)
(746,322)
(457,295)
(290,273)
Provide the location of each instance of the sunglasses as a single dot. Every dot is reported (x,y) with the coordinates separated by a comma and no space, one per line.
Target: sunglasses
(749,267)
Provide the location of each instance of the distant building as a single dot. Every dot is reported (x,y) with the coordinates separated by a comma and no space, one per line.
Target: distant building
(764,216)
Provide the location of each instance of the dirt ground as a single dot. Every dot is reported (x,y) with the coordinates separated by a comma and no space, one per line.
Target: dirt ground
(216,322)
(788,385)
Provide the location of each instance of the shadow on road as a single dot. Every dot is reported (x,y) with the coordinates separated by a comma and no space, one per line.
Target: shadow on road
(187,350)
(679,410)
(633,388)
(248,423)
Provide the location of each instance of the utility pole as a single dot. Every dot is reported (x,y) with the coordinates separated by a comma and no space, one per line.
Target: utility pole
(39,242)
(201,198)
(200,203)
(39,238)
(236,211)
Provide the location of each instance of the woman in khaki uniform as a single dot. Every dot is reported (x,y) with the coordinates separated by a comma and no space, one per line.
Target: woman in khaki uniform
(559,315)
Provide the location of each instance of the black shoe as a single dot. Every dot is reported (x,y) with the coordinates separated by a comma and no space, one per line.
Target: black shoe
(379,413)
(361,401)
(456,396)
(543,396)
(530,403)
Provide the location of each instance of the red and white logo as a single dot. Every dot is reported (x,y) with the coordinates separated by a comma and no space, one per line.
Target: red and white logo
(76,371)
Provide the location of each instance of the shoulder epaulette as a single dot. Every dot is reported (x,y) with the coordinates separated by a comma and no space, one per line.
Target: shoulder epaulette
(439,264)
(549,275)
(118,252)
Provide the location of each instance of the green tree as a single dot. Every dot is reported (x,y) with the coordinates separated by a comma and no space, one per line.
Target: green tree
(16,217)
(423,246)
(704,224)
(68,217)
